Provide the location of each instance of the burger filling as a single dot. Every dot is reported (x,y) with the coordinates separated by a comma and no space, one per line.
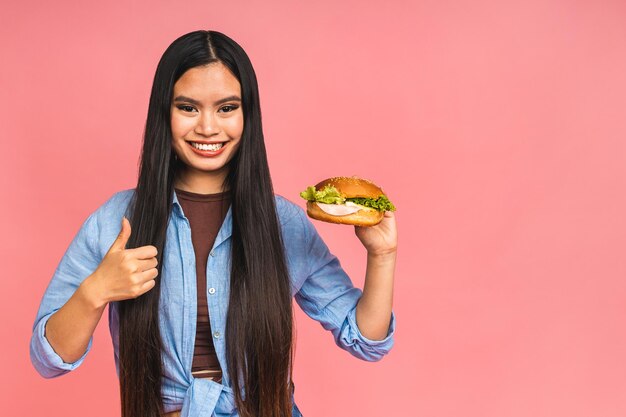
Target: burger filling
(340,209)
(329,195)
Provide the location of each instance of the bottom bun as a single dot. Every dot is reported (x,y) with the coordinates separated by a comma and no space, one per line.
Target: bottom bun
(360,218)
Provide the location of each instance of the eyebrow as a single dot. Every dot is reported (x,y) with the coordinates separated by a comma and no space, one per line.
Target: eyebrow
(197,103)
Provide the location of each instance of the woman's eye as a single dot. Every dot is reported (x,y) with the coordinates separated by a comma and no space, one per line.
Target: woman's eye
(230,108)
(186,108)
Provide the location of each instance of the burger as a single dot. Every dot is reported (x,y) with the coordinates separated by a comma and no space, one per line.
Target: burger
(347,200)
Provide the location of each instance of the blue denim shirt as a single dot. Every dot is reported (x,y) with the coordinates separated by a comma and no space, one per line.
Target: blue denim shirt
(319,284)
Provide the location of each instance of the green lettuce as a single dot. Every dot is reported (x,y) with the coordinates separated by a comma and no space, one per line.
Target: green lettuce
(330,195)
(381,203)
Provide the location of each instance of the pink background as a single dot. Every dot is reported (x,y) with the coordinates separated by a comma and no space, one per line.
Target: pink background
(496,127)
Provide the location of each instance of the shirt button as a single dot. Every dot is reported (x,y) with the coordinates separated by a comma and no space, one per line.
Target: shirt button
(216,335)
(211,290)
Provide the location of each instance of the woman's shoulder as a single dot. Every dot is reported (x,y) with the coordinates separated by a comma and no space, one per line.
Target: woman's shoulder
(287,210)
(109,214)
(116,203)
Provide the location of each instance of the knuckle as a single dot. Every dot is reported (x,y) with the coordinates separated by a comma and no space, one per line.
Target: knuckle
(127,268)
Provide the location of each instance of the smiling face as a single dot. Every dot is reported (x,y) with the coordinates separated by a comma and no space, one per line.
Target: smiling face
(207,124)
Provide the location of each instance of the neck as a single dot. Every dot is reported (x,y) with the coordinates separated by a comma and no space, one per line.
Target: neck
(201,184)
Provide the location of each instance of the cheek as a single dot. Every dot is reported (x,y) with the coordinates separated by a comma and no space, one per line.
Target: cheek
(180,126)
(235,126)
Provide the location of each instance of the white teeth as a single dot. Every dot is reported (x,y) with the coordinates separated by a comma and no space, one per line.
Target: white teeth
(209,147)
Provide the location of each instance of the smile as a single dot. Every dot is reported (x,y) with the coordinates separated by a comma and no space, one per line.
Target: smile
(207,150)
(207,147)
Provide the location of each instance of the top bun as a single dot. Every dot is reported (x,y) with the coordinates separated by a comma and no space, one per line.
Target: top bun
(351,187)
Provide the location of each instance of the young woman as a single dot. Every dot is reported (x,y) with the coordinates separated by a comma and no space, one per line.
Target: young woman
(199,263)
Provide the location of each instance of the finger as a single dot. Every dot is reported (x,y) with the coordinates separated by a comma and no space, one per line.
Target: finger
(150,284)
(148,275)
(143,252)
(147,286)
(145,264)
(122,237)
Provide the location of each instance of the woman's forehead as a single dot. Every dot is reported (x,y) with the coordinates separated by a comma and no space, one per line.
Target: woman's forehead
(208,80)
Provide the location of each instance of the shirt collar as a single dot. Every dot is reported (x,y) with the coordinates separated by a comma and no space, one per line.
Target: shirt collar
(226,228)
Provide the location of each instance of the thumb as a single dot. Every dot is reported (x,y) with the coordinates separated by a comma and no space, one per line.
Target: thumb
(122,237)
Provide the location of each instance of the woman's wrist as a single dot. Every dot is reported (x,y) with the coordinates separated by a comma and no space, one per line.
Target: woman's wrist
(383,256)
(90,294)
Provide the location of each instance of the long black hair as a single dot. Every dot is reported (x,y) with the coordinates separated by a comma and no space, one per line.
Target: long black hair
(259,325)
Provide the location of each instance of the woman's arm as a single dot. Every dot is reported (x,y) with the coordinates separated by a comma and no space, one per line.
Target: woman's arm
(327,294)
(373,311)
(62,336)
(122,274)
(69,329)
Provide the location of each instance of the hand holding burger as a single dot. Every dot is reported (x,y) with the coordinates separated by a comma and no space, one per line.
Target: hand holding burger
(357,201)
(347,200)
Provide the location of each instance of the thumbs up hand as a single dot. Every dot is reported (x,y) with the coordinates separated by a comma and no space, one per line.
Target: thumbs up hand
(123,273)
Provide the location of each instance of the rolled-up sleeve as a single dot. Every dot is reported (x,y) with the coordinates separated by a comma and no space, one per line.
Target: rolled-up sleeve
(79,261)
(328,296)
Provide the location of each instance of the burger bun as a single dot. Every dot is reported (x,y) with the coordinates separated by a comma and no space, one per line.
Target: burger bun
(360,218)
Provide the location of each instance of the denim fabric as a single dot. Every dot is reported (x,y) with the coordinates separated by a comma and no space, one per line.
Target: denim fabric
(320,286)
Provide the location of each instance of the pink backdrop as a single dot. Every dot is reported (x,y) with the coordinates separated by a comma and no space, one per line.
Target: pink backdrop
(496,127)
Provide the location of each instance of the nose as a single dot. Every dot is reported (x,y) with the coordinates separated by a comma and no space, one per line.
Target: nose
(207,125)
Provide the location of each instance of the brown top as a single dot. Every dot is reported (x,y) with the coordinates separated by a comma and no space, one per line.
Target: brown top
(206,213)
